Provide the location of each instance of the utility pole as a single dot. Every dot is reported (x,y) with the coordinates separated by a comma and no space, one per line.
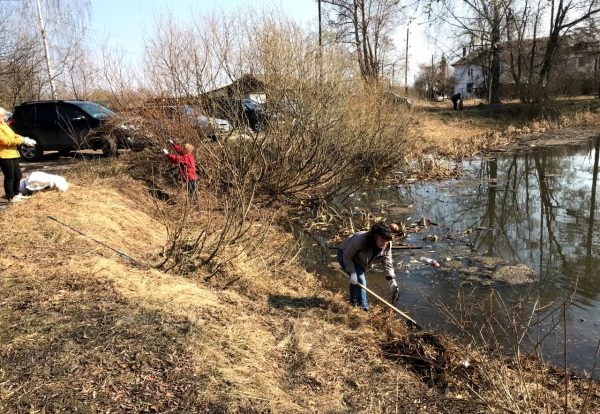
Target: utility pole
(432,80)
(406,65)
(46,49)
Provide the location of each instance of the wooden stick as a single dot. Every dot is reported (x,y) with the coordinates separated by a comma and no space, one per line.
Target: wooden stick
(395,247)
(385,302)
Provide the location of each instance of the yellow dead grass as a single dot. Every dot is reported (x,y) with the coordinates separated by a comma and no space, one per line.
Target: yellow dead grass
(102,335)
(153,288)
(481,127)
(253,355)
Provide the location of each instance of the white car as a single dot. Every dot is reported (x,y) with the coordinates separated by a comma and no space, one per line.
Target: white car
(222,124)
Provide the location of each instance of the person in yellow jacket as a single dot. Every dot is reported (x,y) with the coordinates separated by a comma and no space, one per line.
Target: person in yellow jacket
(9,158)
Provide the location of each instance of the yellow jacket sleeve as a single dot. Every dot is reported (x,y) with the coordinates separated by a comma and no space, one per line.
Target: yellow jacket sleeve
(8,138)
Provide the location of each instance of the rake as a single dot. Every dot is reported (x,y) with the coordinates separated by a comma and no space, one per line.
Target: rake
(411,321)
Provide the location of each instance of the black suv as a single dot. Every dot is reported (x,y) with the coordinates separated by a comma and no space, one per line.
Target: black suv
(238,111)
(65,126)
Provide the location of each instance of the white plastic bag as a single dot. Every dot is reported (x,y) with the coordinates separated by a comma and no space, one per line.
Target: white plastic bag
(38,180)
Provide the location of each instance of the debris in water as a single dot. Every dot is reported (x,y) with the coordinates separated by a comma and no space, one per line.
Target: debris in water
(430,238)
(427,260)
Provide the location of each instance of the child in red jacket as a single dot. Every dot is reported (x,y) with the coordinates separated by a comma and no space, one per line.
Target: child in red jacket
(184,159)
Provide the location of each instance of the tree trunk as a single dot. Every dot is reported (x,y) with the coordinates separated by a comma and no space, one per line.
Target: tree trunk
(547,65)
(359,52)
(597,73)
(495,87)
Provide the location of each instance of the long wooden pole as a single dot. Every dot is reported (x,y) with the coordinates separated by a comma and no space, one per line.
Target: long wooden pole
(385,302)
(406,64)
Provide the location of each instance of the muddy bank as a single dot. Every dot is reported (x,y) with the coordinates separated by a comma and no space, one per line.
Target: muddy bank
(527,140)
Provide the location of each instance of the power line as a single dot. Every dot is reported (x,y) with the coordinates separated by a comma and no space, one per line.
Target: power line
(101,32)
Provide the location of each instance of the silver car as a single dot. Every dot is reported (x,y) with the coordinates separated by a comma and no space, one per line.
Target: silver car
(222,124)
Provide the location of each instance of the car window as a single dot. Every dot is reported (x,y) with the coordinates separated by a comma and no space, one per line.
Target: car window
(187,110)
(251,104)
(68,112)
(95,110)
(25,112)
(45,112)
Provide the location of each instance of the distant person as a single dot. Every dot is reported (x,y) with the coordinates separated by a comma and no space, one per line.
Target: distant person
(456,98)
(9,159)
(460,104)
(184,159)
(359,252)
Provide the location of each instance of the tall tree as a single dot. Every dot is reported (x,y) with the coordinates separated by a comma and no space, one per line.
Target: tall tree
(565,16)
(60,30)
(480,21)
(434,78)
(365,26)
(522,32)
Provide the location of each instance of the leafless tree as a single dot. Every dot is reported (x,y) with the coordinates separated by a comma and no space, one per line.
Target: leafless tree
(365,26)
(328,132)
(564,16)
(482,22)
(523,44)
(436,78)
(64,25)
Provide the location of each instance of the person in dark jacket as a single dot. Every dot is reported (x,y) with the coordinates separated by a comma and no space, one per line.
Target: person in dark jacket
(359,252)
(456,98)
(184,159)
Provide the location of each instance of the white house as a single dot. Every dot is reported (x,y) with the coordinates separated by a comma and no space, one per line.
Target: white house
(576,67)
(470,75)
(469,78)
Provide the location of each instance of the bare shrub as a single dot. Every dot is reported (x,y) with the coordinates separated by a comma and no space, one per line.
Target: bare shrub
(325,133)
(493,329)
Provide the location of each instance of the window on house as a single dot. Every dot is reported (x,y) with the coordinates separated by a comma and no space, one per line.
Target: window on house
(469,87)
(470,72)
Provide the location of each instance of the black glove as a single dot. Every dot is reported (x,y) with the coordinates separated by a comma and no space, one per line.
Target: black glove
(394,291)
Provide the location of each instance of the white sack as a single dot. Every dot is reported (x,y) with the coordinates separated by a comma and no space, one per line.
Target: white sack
(38,180)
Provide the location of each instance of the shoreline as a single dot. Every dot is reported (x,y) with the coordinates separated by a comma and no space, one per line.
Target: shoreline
(259,335)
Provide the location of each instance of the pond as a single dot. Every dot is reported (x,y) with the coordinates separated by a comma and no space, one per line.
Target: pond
(536,208)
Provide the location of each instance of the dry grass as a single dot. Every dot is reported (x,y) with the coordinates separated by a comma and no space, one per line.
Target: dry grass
(83,331)
(101,334)
(481,128)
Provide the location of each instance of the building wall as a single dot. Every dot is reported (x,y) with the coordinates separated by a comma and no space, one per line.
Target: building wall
(467,79)
(574,74)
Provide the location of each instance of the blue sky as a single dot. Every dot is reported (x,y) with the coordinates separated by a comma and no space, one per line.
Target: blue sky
(124,23)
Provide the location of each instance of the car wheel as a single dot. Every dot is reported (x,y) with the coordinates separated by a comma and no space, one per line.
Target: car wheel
(259,126)
(109,148)
(31,154)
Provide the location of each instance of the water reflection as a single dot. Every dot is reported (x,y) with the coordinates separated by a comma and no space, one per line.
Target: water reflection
(536,208)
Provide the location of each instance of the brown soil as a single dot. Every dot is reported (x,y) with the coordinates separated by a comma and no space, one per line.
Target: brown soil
(85,331)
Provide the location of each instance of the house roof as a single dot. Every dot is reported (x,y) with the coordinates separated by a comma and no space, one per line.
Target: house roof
(244,84)
(576,42)
(474,57)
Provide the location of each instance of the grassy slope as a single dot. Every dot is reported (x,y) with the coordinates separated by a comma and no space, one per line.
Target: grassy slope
(83,331)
